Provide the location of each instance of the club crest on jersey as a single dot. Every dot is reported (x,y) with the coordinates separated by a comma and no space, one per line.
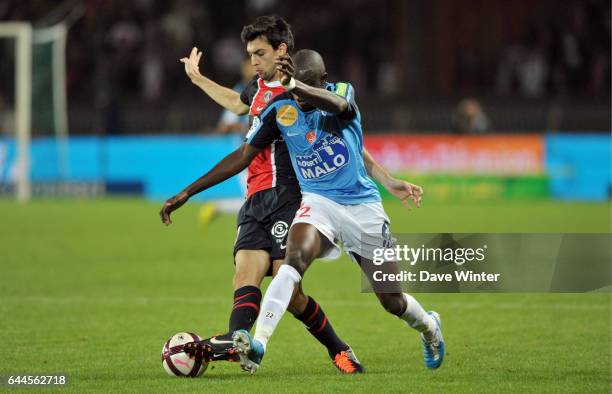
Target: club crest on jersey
(327,156)
(267,96)
(286,115)
(311,136)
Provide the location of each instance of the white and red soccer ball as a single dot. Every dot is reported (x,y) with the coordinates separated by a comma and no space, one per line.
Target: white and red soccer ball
(174,359)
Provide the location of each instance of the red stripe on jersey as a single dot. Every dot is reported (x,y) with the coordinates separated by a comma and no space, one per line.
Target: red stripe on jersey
(262,170)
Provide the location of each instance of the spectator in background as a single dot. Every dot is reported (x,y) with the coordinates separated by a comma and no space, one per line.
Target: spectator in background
(574,43)
(524,65)
(229,121)
(566,56)
(532,71)
(469,118)
(388,77)
(152,68)
(121,55)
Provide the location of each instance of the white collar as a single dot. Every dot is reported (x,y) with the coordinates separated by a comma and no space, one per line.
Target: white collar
(273,84)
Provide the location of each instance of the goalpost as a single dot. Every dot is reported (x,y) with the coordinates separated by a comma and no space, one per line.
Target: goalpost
(22,33)
(31,43)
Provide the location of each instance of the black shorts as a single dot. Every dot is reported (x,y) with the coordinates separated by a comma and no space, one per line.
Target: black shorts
(264,220)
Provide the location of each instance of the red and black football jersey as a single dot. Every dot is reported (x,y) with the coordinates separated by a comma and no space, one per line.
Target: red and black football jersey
(272,166)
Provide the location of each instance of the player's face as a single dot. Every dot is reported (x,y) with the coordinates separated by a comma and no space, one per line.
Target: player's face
(262,56)
(311,78)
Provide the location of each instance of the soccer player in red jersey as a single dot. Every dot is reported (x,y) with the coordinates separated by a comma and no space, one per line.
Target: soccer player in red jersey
(273,197)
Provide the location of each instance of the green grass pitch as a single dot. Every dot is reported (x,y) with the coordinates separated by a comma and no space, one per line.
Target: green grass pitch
(94,288)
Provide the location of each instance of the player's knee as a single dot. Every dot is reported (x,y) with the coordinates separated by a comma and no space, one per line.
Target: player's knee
(246,278)
(296,257)
(393,303)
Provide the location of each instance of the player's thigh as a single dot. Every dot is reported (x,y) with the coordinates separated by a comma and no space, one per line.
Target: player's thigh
(326,217)
(251,248)
(304,244)
(366,229)
(252,233)
(251,267)
(282,206)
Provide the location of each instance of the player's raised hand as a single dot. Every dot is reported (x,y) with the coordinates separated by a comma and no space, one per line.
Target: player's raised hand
(406,191)
(171,205)
(192,62)
(285,65)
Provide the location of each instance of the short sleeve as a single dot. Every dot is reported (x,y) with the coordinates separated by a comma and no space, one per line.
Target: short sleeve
(264,129)
(346,91)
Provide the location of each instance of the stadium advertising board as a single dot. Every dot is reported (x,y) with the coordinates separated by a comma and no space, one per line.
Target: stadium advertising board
(508,155)
(475,167)
(567,166)
(579,166)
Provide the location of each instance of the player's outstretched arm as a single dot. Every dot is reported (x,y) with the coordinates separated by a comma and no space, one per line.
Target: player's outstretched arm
(320,98)
(399,188)
(225,97)
(229,166)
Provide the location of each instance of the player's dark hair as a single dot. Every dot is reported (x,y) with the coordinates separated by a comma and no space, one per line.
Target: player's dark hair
(273,27)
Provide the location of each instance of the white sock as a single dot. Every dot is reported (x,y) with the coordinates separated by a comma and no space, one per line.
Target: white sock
(416,317)
(275,302)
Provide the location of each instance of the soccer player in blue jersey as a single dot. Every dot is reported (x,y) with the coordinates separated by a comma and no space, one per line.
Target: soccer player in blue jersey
(321,125)
(273,198)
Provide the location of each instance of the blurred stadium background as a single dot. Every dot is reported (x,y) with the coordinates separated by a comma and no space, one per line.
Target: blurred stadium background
(477,99)
(500,109)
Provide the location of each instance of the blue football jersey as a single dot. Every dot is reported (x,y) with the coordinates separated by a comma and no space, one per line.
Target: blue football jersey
(326,149)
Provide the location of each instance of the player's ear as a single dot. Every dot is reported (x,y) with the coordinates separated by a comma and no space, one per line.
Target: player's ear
(282,49)
(323,79)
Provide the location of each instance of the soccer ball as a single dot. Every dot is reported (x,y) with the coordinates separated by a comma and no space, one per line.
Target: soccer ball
(176,362)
